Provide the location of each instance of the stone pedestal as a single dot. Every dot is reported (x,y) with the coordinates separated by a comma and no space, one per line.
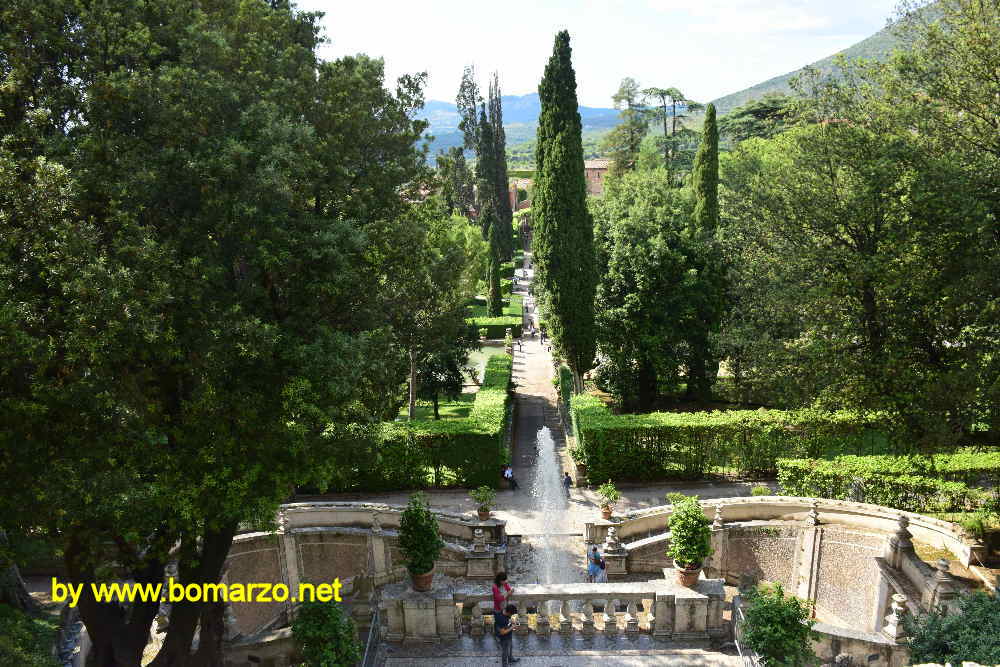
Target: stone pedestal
(484,560)
(420,616)
(615,555)
(697,610)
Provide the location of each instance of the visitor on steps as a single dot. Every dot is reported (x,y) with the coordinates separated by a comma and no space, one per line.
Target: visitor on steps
(501,592)
(602,572)
(504,631)
(508,474)
(567,482)
(593,565)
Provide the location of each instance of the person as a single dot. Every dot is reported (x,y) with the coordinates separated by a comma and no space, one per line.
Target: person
(602,572)
(567,482)
(508,474)
(504,631)
(593,565)
(501,591)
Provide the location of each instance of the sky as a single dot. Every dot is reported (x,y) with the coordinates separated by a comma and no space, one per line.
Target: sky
(705,48)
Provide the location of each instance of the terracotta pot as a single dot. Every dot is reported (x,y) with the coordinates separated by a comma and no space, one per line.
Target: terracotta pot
(422,582)
(606,513)
(483,514)
(687,576)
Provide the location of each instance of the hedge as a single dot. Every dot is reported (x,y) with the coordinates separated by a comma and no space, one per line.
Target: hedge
(448,452)
(904,483)
(496,327)
(26,640)
(668,445)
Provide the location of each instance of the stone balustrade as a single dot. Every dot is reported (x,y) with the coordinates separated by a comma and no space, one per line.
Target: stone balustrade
(651,522)
(660,607)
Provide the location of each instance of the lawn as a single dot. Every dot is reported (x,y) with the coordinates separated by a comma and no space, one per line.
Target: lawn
(457,409)
(512,308)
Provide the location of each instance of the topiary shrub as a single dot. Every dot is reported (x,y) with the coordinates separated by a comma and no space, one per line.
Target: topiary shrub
(761,490)
(325,636)
(690,534)
(779,627)
(419,539)
(973,634)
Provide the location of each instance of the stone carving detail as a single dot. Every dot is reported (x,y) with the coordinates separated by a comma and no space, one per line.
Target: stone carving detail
(612,544)
(479,540)
(376,524)
(812,519)
(901,539)
(717,522)
(282,521)
(893,628)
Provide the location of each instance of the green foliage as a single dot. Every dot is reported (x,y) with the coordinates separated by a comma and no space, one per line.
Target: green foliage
(973,634)
(485,497)
(764,118)
(494,299)
(563,241)
(26,640)
(512,317)
(760,490)
(609,493)
(419,540)
(622,144)
(325,636)
(690,534)
(564,382)
(911,483)
(675,497)
(689,445)
(779,627)
(449,452)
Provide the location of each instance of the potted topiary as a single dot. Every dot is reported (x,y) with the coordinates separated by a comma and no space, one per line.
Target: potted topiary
(609,496)
(419,541)
(482,333)
(690,539)
(485,498)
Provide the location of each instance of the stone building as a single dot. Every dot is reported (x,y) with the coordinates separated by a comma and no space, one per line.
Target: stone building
(594,171)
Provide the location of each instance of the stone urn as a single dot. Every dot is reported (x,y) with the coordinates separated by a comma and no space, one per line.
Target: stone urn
(687,574)
(422,582)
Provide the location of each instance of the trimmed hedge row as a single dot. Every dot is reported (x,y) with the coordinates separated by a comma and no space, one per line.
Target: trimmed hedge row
(668,445)
(902,482)
(496,327)
(447,452)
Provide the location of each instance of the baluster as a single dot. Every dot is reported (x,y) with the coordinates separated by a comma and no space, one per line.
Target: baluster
(477,624)
(565,620)
(649,605)
(610,625)
(631,618)
(542,626)
(522,621)
(587,618)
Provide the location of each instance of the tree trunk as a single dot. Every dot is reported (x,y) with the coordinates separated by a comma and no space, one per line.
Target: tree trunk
(647,386)
(13,592)
(436,415)
(185,616)
(118,638)
(411,412)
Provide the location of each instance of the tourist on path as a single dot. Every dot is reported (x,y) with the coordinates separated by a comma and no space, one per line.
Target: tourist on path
(501,592)
(567,482)
(593,565)
(504,631)
(602,572)
(508,474)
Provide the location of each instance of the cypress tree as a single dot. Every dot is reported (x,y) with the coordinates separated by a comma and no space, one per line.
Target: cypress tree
(708,310)
(705,177)
(485,179)
(564,231)
(505,215)
(494,298)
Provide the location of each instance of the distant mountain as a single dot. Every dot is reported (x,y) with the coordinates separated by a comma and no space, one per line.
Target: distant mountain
(520,116)
(877,47)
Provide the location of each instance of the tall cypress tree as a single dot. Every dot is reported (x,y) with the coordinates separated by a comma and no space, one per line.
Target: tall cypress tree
(485,166)
(494,297)
(708,309)
(505,214)
(564,231)
(705,177)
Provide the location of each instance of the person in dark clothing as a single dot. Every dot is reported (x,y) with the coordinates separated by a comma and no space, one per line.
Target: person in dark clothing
(504,631)
(567,482)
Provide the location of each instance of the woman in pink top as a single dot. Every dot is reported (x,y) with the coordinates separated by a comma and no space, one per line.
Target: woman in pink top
(501,591)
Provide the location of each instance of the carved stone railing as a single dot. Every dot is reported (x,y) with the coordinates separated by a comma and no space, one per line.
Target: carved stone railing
(661,608)
(651,522)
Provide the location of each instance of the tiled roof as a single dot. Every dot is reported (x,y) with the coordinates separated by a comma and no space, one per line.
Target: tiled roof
(596,164)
